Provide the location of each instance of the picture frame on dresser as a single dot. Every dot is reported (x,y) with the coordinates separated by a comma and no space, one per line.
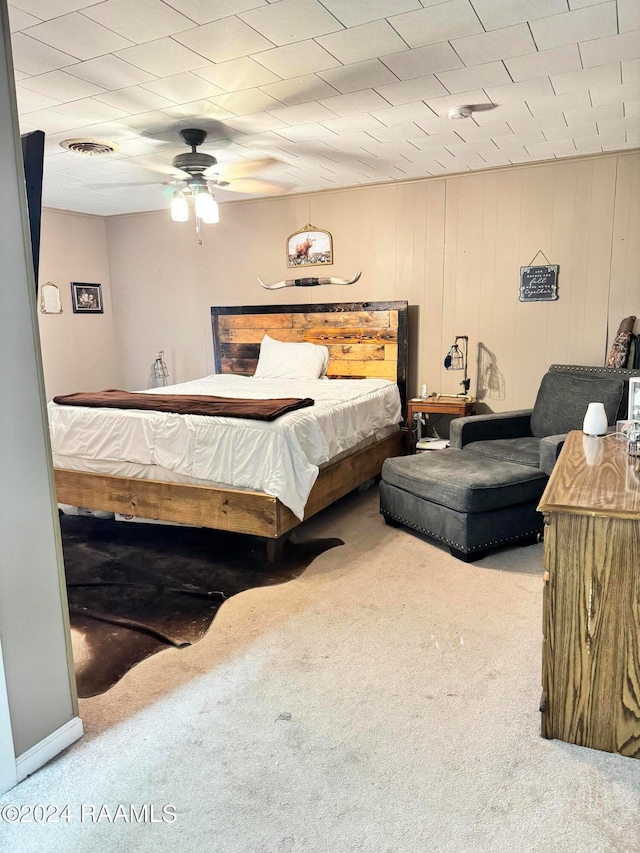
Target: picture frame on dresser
(634,398)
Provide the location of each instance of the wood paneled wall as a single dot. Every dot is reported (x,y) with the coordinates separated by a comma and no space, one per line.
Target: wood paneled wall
(452,247)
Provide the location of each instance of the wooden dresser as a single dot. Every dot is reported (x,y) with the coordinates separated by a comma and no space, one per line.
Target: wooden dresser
(591,608)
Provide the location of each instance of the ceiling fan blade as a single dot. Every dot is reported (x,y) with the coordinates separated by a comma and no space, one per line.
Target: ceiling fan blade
(257,186)
(243,169)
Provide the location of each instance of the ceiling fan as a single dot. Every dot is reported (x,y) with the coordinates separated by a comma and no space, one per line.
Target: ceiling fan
(203,174)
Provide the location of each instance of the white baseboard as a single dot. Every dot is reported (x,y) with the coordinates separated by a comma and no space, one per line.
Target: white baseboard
(33,759)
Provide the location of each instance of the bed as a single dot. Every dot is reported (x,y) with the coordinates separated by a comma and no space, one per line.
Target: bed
(366,341)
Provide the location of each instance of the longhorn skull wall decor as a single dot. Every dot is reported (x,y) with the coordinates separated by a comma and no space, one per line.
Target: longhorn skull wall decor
(310,282)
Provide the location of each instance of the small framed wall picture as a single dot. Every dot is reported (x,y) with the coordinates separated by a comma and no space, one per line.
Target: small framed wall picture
(86,298)
(310,247)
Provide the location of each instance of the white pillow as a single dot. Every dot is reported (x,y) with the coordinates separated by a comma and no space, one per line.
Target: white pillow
(280,360)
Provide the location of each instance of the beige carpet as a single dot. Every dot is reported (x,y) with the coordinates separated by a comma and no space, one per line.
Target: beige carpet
(384,702)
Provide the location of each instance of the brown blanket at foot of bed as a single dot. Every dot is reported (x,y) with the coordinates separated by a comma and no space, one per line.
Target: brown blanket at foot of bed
(185,404)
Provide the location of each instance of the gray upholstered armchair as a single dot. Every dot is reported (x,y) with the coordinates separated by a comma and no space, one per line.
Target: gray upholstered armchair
(534,437)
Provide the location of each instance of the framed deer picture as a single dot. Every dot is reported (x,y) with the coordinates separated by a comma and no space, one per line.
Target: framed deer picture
(309,247)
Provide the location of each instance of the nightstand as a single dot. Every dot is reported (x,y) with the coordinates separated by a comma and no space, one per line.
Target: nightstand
(459,407)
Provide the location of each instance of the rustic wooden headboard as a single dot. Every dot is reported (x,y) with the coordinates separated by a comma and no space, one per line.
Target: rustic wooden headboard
(365,339)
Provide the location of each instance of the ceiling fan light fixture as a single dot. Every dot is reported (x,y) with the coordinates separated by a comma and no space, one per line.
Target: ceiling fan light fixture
(207,208)
(457,113)
(179,208)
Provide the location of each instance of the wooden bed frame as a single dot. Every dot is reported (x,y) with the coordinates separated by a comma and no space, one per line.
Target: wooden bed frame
(365,340)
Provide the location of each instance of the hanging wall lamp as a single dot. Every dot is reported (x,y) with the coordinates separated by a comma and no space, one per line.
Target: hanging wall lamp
(457,359)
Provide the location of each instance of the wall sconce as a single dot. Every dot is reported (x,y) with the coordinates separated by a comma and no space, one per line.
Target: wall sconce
(457,359)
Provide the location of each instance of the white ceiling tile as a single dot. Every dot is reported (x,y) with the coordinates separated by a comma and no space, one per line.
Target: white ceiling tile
(631,108)
(62,86)
(628,15)
(495,14)
(19,20)
(302,132)
(296,60)
(437,140)
(498,44)
(184,87)
(113,130)
(247,101)
(396,132)
(601,51)
(544,150)
(586,114)
(523,126)
(255,123)
(466,157)
(575,130)
(407,113)
(155,121)
(360,75)
(409,91)
(291,20)
(109,72)
(237,74)
(617,94)
(78,36)
(525,91)
(506,112)
(354,12)
(29,102)
(442,105)
(33,57)
(588,78)
(364,42)
(472,133)
(89,111)
(559,103)
(357,102)
(303,113)
(162,57)
(205,11)
(580,4)
(46,9)
(515,141)
(630,70)
(141,145)
(464,79)
(423,60)
(223,40)
(50,121)
(349,124)
(139,21)
(19,75)
(517,155)
(558,60)
(497,157)
(580,25)
(134,99)
(198,111)
(443,22)
(299,90)
(633,137)
(593,144)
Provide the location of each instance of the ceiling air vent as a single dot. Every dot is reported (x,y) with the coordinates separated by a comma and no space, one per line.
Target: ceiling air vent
(90,146)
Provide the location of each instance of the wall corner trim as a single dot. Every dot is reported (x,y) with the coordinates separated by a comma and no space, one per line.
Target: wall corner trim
(33,759)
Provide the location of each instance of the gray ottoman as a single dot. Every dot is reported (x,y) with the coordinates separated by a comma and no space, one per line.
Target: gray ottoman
(468,501)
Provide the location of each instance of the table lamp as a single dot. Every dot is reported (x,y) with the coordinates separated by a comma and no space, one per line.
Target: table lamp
(457,359)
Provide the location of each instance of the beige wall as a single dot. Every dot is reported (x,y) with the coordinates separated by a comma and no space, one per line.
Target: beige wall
(452,247)
(79,350)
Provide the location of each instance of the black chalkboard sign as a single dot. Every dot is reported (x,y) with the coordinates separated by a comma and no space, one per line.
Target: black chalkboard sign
(539,284)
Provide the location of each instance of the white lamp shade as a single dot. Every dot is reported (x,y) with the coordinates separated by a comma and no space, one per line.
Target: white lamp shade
(207,208)
(179,209)
(595,420)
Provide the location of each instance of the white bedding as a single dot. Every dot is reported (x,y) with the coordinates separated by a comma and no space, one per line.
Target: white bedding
(280,458)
